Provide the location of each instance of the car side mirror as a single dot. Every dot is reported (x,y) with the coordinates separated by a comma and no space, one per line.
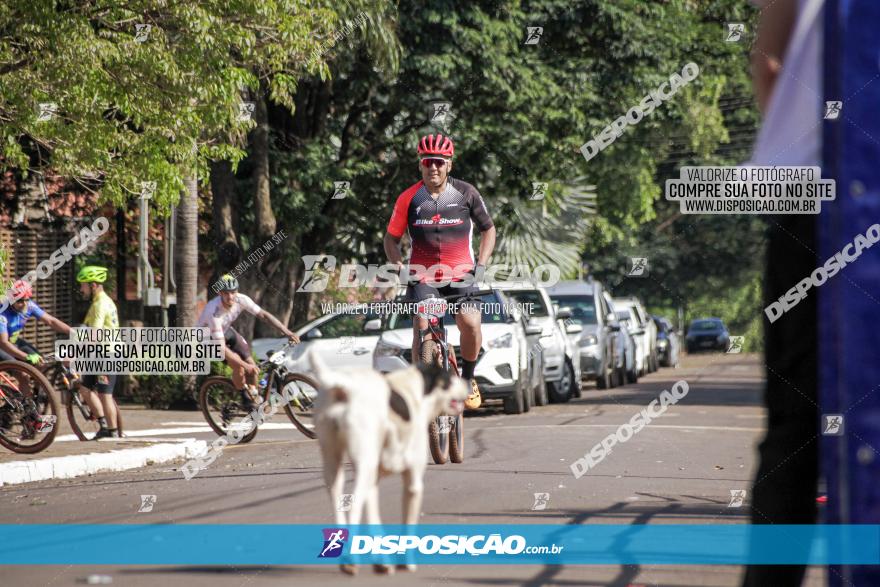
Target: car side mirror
(574,329)
(312,334)
(533,329)
(373,325)
(611,317)
(614,327)
(563,313)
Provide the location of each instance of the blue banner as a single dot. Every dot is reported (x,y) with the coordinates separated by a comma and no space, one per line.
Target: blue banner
(597,544)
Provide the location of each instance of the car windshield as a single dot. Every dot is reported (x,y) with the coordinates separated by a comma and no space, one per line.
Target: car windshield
(706,325)
(583,308)
(525,297)
(493,313)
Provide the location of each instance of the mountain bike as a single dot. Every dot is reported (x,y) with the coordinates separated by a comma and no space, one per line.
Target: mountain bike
(28,410)
(445,433)
(79,413)
(223,408)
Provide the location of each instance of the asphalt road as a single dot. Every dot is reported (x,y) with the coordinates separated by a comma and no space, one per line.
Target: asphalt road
(679,469)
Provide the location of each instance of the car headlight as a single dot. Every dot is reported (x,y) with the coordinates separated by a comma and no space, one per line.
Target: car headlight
(502,342)
(720,338)
(384,349)
(661,344)
(588,340)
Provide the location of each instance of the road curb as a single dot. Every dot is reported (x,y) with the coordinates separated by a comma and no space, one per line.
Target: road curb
(16,472)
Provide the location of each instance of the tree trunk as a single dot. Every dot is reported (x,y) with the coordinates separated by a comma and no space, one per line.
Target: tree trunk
(264,215)
(187,253)
(222,198)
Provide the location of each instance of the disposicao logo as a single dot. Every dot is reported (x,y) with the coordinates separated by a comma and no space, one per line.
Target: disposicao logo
(334,541)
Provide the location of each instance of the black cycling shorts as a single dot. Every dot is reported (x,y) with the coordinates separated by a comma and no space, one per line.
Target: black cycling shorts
(416,292)
(237,344)
(100,383)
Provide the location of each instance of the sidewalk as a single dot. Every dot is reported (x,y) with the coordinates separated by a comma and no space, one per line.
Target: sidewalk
(151,436)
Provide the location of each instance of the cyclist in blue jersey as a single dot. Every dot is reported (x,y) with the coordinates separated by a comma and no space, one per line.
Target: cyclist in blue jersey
(13,319)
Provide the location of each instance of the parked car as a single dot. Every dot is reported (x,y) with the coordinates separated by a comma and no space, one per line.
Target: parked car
(631,350)
(668,345)
(540,395)
(341,340)
(707,334)
(503,369)
(625,347)
(562,378)
(597,344)
(642,328)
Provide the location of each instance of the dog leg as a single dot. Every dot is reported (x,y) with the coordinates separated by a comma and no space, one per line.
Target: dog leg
(413,488)
(373,518)
(334,478)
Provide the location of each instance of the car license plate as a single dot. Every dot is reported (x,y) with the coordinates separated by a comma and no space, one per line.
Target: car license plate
(706,343)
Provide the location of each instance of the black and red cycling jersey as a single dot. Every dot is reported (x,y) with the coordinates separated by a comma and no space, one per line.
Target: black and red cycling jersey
(441,229)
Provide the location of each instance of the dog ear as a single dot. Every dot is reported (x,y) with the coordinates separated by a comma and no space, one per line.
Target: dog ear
(433,377)
(399,406)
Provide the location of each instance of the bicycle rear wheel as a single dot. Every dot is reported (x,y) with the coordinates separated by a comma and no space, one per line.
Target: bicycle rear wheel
(302,392)
(221,405)
(29,412)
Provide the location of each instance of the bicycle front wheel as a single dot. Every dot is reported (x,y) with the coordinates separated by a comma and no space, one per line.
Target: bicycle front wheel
(439,428)
(302,392)
(221,405)
(456,439)
(29,412)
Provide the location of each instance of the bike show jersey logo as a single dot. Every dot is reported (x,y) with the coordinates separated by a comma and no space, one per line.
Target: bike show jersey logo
(437,220)
(334,542)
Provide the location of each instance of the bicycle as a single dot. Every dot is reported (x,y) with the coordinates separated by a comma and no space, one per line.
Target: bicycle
(445,433)
(28,410)
(79,413)
(221,403)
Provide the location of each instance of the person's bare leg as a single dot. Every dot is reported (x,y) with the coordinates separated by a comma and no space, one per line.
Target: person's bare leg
(418,323)
(90,397)
(238,376)
(468,321)
(109,409)
(252,377)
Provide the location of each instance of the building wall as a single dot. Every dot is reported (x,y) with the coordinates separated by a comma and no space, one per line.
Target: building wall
(27,247)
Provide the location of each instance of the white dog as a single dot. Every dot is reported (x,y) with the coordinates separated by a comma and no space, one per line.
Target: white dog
(381,423)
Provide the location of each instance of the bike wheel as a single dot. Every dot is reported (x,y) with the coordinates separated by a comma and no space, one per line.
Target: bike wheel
(82,421)
(438,429)
(29,412)
(302,392)
(221,405)
(456,439)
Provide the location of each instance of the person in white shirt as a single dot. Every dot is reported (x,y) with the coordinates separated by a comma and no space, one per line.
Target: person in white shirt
(218,315)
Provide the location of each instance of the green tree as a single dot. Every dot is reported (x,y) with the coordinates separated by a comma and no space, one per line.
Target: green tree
(114,95)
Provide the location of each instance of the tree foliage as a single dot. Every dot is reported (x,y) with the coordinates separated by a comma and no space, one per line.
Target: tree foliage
(146,90)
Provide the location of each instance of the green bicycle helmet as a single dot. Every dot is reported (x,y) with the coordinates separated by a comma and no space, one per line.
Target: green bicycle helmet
(227,283)
(92,274)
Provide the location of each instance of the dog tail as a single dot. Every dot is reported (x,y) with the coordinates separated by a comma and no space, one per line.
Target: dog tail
(329,381)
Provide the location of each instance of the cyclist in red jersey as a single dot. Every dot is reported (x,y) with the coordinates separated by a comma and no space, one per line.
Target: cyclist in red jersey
(439,213)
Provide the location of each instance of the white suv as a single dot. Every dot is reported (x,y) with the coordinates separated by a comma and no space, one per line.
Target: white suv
(503,367)
(643,330)
(562,370)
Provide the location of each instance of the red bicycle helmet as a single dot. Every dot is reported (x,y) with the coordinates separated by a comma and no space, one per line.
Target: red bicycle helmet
(22,290)
(436,145)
